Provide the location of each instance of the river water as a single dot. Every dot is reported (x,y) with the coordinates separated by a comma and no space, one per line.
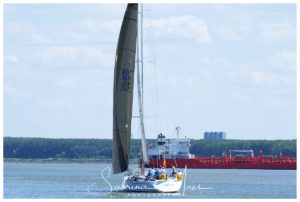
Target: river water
(75,180)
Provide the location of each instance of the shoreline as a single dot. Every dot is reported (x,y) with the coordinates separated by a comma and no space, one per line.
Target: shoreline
(60,160)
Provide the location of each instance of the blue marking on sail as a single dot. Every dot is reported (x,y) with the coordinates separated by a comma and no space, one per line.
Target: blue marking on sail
(125,75)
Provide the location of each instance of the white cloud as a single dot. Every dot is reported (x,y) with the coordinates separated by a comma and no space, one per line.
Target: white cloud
(9,90)
(80,32)
(219,62)
(181,27)
(112,26)
(11,58)
(278,69)
(275,32)
(232,24)
(92,31)
(55,103)
(279,104)
(70,56)
(70,82)
(268,74)
(56,55)
(167,79)
(232,31)
(15,27)
(262,77)
(283,60)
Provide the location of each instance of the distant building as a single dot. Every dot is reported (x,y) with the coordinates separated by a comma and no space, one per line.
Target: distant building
(215,135)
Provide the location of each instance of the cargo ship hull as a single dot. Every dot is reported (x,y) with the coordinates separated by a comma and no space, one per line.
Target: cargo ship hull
(175,152)
(206,163)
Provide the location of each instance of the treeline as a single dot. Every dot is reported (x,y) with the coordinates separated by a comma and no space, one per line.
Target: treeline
(37,148)
(42,148)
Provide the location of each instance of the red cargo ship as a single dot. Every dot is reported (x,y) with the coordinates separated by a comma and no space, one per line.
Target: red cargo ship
(176,152)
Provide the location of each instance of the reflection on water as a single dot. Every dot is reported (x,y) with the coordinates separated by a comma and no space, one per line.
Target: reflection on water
(74,180)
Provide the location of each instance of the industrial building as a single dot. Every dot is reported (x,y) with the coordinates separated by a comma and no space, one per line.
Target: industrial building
(215,135)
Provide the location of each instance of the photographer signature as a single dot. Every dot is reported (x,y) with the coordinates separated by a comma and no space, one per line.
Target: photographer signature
(122,187)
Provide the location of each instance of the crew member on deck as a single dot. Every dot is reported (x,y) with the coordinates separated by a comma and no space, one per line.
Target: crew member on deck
(163,173)
(157,176)
(173,171)
(150,173)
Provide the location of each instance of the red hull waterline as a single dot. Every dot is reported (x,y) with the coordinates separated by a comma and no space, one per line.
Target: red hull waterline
(209,163)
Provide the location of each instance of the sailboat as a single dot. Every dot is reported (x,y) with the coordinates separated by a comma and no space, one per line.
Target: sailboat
(125,59)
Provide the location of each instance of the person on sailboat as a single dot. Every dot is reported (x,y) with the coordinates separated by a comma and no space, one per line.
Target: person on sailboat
(150,174)
(157,175)
(163,173)
(173,171)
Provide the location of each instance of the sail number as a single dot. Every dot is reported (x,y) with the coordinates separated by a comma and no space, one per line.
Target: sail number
(126,83)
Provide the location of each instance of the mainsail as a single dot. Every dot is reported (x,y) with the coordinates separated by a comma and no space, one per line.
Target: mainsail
(123,89)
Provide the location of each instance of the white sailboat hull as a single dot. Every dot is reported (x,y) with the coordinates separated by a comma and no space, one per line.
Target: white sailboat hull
(144,185)
(171,185)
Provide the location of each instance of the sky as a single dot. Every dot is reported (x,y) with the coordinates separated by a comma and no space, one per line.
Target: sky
(213,67)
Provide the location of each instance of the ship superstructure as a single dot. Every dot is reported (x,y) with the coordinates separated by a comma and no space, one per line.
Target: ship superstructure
(170,149)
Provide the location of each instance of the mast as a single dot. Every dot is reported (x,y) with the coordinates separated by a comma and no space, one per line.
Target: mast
(177,138)
(140,98)
(142,54)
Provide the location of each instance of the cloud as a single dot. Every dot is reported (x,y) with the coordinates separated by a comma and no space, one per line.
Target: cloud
(232,23)
(90,30)
(111,26)
(83,43)
(74,56)
(261,76)
(268,78)
(70,82)
(79,32)
(278,69)
(275,32)
(10,90)
(283,60)
(11,58)
(15,27)
(215,61)
(234,30)
(55,103)
(181,27)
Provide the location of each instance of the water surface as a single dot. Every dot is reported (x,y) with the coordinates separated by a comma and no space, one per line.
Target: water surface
(72,180)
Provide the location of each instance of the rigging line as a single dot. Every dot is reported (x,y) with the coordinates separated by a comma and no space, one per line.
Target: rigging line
(175,161)
(149,72)
(153,65)
(152,44)
(137,57)
(142,57)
